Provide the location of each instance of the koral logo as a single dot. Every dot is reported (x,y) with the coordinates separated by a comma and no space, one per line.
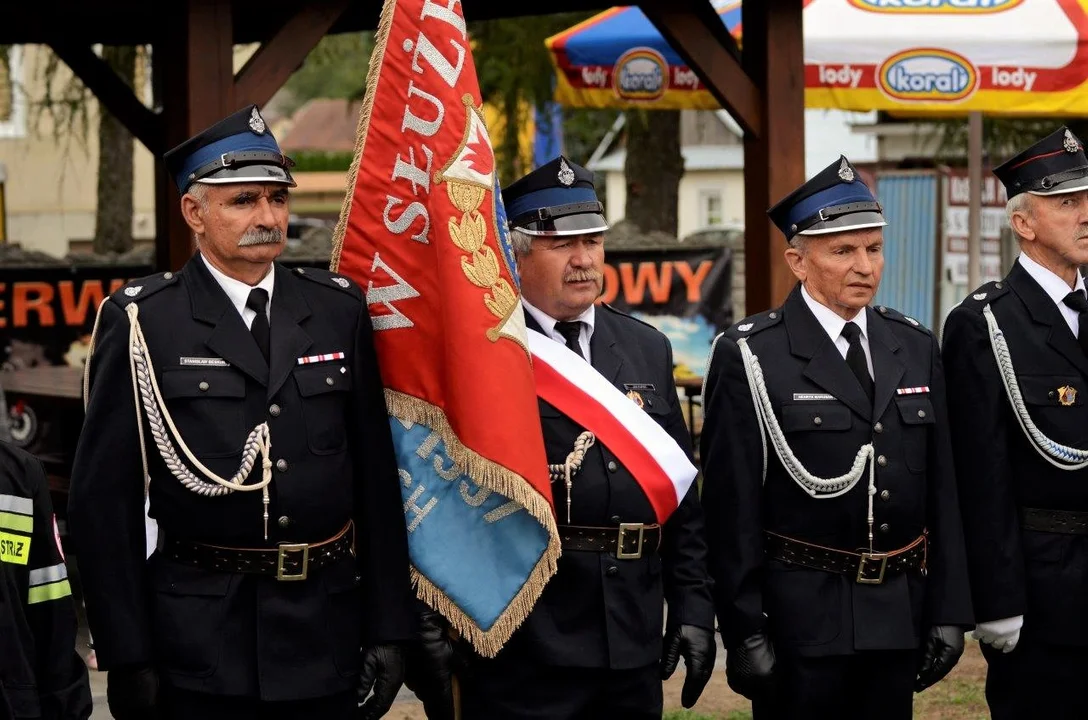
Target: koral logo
(927,75)
(640,74)
(936,7)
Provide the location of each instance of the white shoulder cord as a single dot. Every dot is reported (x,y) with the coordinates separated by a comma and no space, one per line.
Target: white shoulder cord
(146,388)
(817,487)
(1060,456)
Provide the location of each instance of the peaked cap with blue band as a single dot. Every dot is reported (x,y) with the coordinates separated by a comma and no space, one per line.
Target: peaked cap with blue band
(835,200)
(556,199)
(238,149)
(1053,166)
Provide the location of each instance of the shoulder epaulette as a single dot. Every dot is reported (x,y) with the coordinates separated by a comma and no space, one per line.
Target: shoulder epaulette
(143,288)
(907,320)
(985,295)
(329,279)
(628,316)
(755,323)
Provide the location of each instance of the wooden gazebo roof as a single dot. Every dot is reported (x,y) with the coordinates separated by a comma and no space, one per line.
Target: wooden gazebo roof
(762,88)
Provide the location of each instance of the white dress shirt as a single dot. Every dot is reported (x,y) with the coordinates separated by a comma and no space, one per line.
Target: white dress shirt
(238,291)
(547,324)
(1056,288)
(833,325)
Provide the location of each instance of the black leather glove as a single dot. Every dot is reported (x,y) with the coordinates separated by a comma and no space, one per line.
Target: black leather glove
(749,667)
(432,662)
(132,693)
(383,672)
(698,649)
(942,650)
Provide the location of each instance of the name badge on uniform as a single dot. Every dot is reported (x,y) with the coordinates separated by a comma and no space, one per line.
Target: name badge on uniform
(327,357)
(808,397)
(204,362)
(912,390)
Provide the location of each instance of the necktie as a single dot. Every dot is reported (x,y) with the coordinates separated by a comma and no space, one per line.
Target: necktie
(1079,302)
(855,358)
(571,331)
(257,302)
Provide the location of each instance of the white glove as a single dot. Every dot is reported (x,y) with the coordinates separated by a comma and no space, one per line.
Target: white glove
(1002,634)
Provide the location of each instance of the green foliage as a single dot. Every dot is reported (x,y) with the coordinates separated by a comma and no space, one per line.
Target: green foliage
(335,68)
(1002,137)
(321,161)
(516,75)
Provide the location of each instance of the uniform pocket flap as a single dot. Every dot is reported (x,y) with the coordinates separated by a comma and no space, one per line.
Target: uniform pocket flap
(323,378)
(916,410)
(202,382)
(1050,390)
(797,418)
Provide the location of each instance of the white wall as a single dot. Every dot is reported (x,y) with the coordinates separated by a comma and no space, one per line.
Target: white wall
(729,182)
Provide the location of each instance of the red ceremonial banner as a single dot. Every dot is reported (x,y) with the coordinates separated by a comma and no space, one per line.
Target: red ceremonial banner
(423,232)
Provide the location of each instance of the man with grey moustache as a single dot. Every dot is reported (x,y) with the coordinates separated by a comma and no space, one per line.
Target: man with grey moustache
(242,401)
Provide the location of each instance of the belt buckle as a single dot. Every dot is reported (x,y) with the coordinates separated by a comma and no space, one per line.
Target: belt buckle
(624,529)
(866,558)
(285,548)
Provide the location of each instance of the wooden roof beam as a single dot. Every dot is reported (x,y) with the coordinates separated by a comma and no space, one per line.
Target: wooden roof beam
(112,92)
(280,56)
(697,34)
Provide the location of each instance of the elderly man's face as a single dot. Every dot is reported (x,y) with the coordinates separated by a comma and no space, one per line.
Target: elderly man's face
(241,226)
(563,276)
(1057,227)
(840,270)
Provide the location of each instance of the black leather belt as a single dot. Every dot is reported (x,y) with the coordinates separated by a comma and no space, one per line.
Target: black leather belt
(1068,522)
(289,561)
(629,541)
(867,568)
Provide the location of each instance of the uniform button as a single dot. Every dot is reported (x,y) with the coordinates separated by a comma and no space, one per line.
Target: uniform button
(284,521)
(885,528)
(612,570)
(921,413)
(882,309)
(878,428)
(998,286)
(274,410)
(1050,394)
(281,465)
(167,275)
(882,461)
(329,381)
(204,385)
(612,466)
(772,316)
(817,420)
(615,519)
(884,495)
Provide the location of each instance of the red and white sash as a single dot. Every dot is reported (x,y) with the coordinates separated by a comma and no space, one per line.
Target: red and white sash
(576,389)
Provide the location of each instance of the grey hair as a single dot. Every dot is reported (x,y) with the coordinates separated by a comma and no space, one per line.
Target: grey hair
(199,192)
(1018,204)
(521,242)
(799,243)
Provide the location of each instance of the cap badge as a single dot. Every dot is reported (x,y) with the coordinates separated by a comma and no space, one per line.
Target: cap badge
(846,173)
(566,175)
(1067,395)
(256,122)
(1070,143)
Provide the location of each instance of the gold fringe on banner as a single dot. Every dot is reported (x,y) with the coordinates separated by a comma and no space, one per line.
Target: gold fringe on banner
(490,476)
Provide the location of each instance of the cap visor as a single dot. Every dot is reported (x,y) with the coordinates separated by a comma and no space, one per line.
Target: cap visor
(580,224)
(249,174)
(1068,186)
(853,221)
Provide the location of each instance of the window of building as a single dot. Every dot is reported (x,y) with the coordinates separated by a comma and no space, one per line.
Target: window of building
(12,101)
(711,211)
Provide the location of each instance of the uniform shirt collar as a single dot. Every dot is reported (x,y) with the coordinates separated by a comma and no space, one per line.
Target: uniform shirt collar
(547,322)
(238,291)
(1051,284)
(830,321)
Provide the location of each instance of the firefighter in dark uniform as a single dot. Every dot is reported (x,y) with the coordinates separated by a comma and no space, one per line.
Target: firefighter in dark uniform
(833,525)
(41,675)
(246,398)
(592,646)
(1019,411)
